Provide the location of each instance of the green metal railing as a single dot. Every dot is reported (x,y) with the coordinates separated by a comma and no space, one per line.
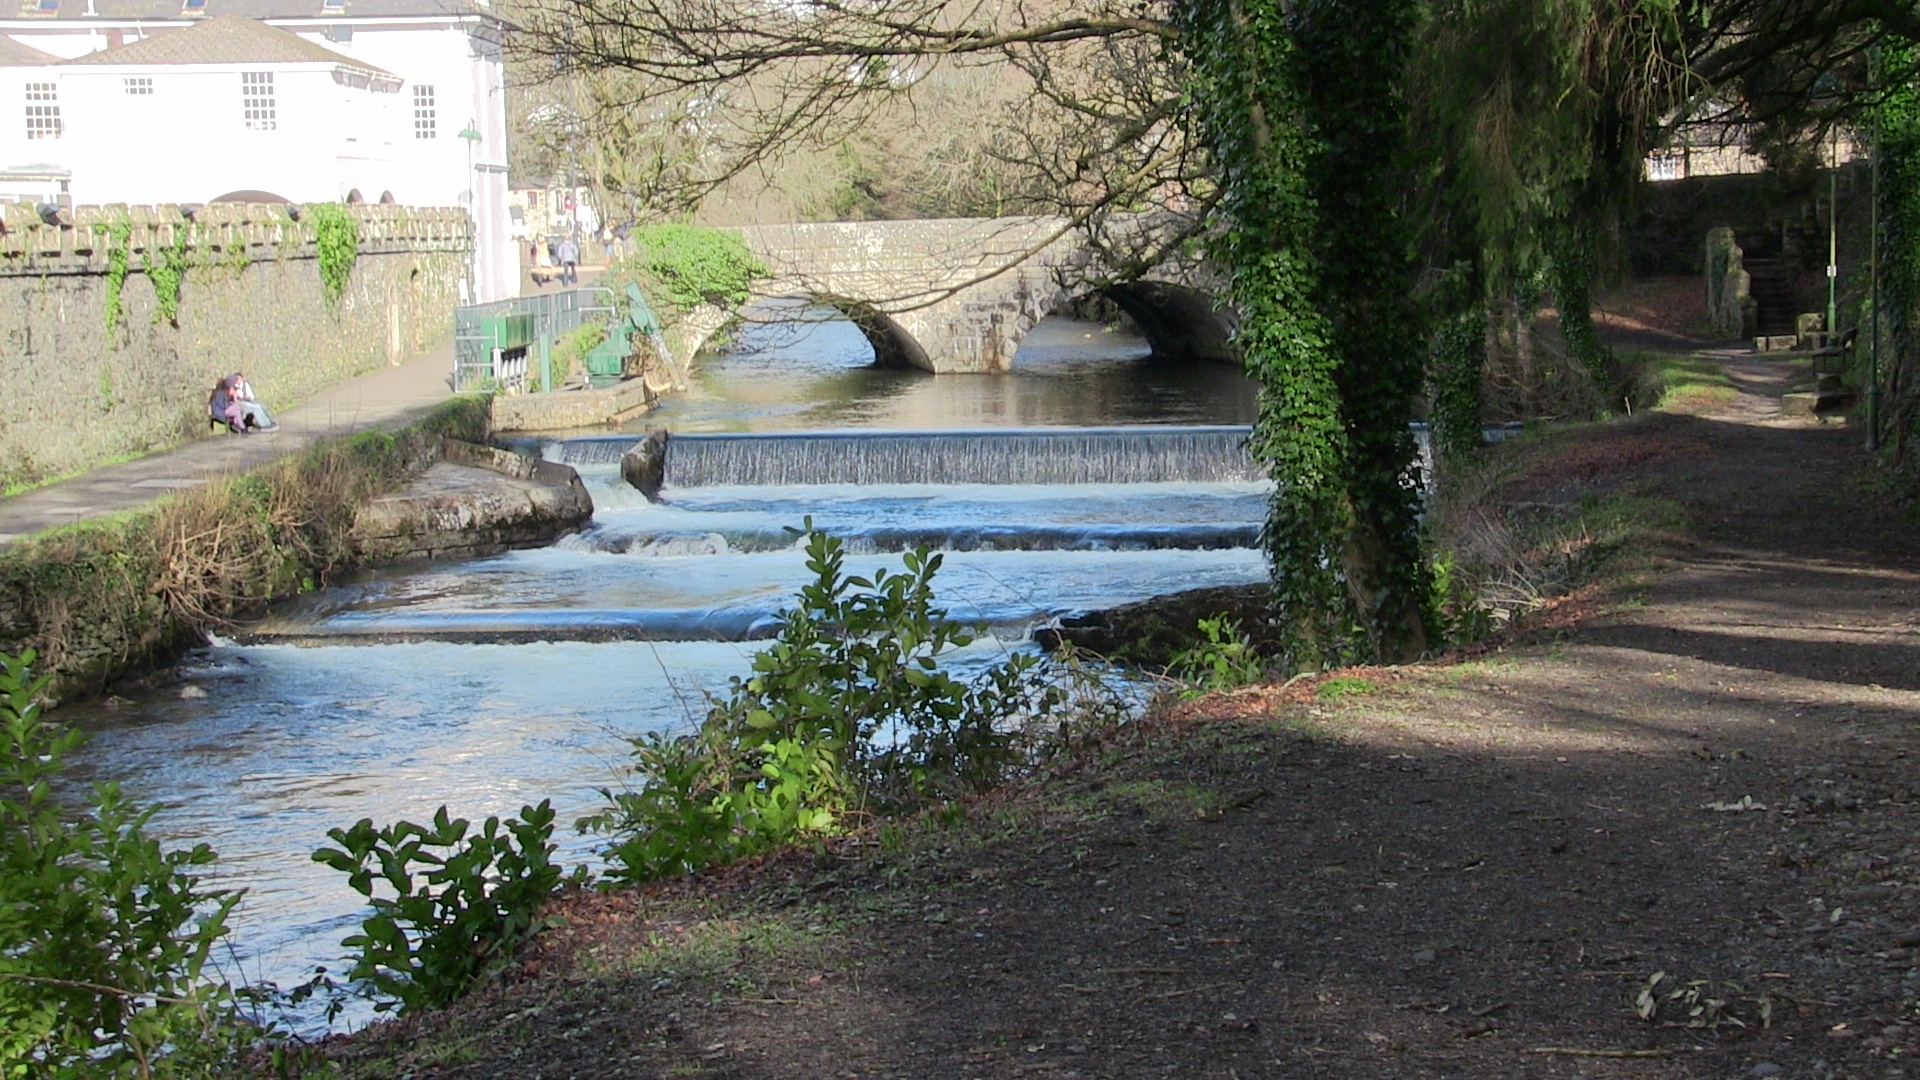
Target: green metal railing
(505,345)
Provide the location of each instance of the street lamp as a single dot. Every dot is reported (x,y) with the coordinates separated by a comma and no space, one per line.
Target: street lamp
(471,136)
(1826,85)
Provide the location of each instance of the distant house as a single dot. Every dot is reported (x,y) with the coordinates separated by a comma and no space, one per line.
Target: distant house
(193,101)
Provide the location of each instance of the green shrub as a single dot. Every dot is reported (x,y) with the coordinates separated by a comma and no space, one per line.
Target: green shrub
(104,935)
(570,352)
(848,713)
(462,903)
(690,265)
(1225,660)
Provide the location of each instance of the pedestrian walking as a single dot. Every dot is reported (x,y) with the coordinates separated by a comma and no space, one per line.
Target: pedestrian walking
(569,261)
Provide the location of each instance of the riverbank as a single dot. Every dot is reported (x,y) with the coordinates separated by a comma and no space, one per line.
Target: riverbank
(1469,868)
(105,599)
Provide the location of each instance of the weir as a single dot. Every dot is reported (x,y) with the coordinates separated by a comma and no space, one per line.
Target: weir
(1098,455)
(1115,455)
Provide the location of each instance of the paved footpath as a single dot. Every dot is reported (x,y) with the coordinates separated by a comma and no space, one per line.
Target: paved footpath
(389,397)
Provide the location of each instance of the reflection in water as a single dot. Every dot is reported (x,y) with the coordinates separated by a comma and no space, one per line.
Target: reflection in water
(819,373)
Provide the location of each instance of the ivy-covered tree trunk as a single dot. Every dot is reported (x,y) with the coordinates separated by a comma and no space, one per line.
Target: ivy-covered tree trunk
(1458,354)
(1574,264)
(1898,138)
(1355,56)
(1301,110)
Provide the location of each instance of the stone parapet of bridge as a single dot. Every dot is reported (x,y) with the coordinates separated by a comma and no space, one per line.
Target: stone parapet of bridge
(958,295)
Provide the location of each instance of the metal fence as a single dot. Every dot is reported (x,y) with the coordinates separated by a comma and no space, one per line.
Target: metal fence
(483,360)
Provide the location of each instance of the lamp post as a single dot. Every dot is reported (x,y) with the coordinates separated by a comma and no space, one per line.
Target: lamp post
(471,136)
(1833,235)
(1873,268)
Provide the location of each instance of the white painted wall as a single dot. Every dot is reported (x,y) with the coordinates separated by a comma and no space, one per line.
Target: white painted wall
(187,143)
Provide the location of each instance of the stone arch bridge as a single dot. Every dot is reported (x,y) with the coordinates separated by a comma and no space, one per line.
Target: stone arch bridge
(958,295)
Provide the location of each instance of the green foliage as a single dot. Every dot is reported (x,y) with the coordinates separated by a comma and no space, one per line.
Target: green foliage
(1244,87)
(336,241)
(1462,616)
(848,712)
(1226,659)
(1572,269)
(98,598)
(119,242)
(1457,355)
(691,265)
(1343,687)
(167,269)
(461,901)
(1897,135)
(570,352)
(1302,113)
(104,935)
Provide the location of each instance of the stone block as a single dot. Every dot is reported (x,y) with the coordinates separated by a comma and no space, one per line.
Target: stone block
(563,409)
(468,510)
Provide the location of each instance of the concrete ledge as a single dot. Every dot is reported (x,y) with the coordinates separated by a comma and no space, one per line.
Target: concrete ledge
(572,408)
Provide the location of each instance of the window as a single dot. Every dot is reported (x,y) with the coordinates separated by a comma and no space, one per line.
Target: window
(1666,165)
(256,100)
(40,7)
(333,7)
(139,87)
(193,7)
(423,116)
(43,111)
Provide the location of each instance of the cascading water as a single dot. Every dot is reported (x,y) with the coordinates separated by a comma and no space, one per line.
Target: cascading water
(496,682)
(1138,455)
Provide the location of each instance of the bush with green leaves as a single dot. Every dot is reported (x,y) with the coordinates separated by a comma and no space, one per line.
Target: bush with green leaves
(105,936)
(850,712)
(1226,659)
(461,901)
(689,265)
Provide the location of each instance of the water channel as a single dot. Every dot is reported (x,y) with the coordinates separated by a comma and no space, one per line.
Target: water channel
(258,750)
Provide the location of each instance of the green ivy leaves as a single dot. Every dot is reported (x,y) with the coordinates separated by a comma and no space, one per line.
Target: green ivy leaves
(692,265)
(336,241)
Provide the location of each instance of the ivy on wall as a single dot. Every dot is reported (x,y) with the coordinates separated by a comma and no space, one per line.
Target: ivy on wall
(119,258)
(337,243)
(167,269)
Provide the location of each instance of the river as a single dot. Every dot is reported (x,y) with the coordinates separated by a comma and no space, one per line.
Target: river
(258,750)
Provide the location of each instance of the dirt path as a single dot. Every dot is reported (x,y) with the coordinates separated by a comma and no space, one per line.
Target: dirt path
(1470,873)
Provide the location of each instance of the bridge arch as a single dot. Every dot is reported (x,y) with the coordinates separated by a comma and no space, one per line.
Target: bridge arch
(1180,322)
(894,346)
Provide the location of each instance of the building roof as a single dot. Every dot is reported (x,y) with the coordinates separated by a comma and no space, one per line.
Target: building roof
(112,11)
(224,40)
(14,54)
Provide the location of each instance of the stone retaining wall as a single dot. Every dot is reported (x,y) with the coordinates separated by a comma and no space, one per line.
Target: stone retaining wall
(78,394)
(563,409)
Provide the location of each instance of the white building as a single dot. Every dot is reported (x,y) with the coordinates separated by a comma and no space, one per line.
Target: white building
(193,101)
